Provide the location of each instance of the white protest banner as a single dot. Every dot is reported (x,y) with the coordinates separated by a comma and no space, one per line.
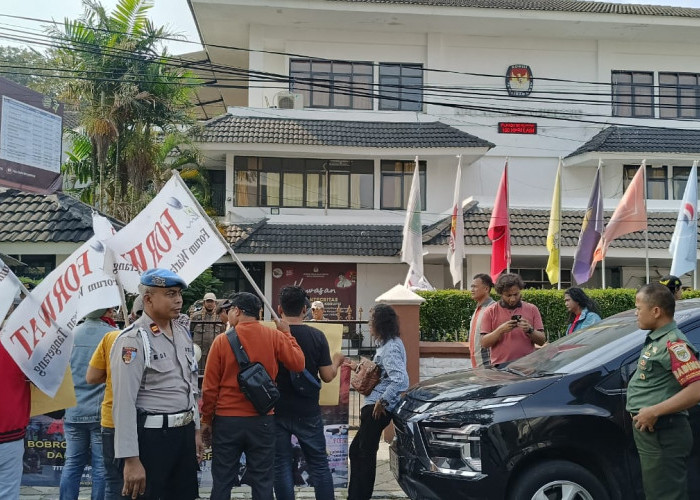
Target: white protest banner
(38,332)
(9,289)
(171,232)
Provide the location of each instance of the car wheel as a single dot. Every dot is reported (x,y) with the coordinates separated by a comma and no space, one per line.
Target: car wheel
(557,480)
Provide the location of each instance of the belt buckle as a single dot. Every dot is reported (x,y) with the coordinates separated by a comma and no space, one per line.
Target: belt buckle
(182,419)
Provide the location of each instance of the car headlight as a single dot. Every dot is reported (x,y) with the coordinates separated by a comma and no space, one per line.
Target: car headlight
(455,450)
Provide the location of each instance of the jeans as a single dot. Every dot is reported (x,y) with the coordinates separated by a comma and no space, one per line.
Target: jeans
(309,433)
(114,480)
(254,436)
(11,469)
(363,454)
(83,446)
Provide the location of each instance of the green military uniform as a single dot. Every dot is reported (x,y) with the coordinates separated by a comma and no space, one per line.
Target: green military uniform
(665,366)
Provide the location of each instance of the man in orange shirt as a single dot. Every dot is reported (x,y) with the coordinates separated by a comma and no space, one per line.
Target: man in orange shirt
(228,418)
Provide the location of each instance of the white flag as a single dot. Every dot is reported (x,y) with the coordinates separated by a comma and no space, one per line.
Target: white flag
(171,232)
(455,251)
(684,242)
(412,246)
(38,334)
(9,289)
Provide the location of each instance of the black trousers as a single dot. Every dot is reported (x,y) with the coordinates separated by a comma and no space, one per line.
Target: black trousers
(363,454)
(169,456)
(254,436)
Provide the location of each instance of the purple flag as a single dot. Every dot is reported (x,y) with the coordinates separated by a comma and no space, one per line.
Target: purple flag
(591,230)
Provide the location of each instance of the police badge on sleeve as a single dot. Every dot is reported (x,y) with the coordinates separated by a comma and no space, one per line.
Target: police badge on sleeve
(128,354)
(684,363)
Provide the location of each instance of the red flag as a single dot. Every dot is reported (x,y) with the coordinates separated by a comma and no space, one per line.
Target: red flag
(499,231)
(629,216)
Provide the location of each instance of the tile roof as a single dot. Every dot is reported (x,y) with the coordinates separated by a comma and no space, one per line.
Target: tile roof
(579,6)
(643,140)
(249,130)
(529,228)
(310,239)
(49,218)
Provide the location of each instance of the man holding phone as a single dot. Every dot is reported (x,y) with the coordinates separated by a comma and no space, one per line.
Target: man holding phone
(511,327)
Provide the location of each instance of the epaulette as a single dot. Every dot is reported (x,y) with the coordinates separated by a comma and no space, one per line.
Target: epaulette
(129,331)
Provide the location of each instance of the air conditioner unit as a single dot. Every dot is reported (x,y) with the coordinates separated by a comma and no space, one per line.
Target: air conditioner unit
(289,100)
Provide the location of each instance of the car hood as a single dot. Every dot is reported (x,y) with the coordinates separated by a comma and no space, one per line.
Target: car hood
(482,383)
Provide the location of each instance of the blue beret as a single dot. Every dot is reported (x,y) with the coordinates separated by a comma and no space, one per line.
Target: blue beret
(163,278)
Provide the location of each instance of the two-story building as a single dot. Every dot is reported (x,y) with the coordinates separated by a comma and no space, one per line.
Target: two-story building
(328,102)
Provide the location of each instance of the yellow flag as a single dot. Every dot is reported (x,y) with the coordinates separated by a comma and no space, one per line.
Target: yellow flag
(554,233)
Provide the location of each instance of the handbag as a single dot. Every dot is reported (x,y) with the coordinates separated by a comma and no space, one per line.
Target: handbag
(366,376)
(255,383)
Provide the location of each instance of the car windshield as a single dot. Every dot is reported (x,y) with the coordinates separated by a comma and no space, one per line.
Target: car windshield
(595,345)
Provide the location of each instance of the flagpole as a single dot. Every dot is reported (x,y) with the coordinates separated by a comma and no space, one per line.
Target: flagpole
(646,231)
(227,245)
(602,233)
(508,212)
(561,188)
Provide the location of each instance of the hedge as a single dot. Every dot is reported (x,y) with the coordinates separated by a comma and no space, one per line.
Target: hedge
(445,314)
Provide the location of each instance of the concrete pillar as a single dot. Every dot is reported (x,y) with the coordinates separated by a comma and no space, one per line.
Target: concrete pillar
(407,306)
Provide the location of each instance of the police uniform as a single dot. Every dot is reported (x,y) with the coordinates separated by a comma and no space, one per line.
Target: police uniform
(154,381)
(668,363)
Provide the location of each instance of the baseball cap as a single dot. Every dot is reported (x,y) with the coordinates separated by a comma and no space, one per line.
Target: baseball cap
(209,296)
(317,304)
(246,302)
(672,282)
(163,278)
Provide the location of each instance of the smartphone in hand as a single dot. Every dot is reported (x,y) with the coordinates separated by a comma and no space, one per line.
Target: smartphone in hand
(515,317)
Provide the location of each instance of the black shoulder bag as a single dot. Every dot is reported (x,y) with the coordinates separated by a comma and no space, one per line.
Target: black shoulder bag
(253,379)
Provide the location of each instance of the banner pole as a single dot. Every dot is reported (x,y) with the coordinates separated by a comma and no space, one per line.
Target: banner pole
(228,246)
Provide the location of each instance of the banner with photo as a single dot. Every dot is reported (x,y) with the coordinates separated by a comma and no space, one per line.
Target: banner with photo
(334,284)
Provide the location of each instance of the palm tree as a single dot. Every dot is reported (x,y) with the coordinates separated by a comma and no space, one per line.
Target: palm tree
(128,93)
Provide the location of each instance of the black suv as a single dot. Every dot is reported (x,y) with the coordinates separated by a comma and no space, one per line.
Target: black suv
(551,425)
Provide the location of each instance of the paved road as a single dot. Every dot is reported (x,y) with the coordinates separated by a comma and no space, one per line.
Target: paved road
(385,486)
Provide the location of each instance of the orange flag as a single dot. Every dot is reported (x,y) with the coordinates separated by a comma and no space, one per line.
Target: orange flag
(499,230)
(629,216)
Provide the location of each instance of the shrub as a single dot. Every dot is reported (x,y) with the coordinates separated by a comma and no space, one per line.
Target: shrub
(445,314)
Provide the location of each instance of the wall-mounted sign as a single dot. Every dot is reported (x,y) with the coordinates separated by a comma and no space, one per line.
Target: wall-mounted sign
(30,139)
(519,80)
(517,128)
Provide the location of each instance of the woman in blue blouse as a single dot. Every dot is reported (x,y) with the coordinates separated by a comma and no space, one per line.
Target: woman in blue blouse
(583,311)
(379,406)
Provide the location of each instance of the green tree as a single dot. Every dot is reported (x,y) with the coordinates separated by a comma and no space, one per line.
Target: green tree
(129,95)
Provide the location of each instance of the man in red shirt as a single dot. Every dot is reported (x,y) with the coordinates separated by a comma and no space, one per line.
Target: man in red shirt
(511,327)
(14,419)
(228,418)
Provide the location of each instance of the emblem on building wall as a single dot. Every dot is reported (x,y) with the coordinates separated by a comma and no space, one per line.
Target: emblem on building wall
(519,80)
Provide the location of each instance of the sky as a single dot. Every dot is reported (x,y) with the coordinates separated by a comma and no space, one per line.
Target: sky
(173,13)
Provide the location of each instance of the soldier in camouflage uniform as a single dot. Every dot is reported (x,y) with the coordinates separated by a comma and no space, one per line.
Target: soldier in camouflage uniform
(206,324)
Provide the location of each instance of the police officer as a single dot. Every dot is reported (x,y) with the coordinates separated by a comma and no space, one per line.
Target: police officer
(154,380)
(665,384)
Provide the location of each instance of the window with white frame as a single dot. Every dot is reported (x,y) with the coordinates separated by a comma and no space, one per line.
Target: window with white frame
(396,178)
(307,183)
(679,95)
(333,84)
(633,94)
(400,87)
